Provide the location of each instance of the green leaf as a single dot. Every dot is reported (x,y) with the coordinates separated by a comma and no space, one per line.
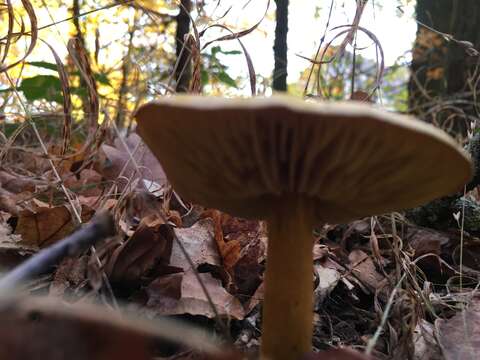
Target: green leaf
(100,77)
(218,49)
(226,79)
(46,87)
(204,77)
(44,65)
(231,52)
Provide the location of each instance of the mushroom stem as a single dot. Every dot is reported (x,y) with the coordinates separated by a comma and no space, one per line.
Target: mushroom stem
(288,303)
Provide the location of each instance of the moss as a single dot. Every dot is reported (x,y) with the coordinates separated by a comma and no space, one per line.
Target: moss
(474,150)
(471,222)
(438,214)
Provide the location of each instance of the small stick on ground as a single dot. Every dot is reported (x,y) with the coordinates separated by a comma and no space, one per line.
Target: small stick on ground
(100,227)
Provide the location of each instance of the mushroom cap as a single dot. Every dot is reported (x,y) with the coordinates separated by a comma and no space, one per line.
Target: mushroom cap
(245,156)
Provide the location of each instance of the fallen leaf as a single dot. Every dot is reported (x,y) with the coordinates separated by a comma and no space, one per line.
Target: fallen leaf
(363,269)
(118,159)
(198,241)
(425,344)
(70,274)
(424,242)
(47,225)
(229,251)
(241,249)
(8,202)
(360,95)
(181,293)
(458,336)
(149,245)
(88,183)
(328,279)
(17,184)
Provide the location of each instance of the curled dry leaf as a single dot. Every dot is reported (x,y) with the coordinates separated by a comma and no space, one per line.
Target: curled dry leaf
(119,162)
(229,250)
(181,293)
(149,245)
(241,248)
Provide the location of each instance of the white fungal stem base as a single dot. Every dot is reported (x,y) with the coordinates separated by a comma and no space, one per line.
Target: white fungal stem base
(288,304)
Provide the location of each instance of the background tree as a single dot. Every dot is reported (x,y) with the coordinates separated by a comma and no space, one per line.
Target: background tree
(280,47)
(444,75)
(183,70)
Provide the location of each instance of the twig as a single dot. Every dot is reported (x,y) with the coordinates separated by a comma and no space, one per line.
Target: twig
(100,227)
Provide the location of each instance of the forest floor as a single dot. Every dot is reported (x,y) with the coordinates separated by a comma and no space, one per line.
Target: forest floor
(382,284)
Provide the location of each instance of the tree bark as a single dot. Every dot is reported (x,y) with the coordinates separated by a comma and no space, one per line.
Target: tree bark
(183,71)
(280,47)
(442,69)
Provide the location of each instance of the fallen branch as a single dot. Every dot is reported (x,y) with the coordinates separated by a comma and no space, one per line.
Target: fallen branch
(100,227)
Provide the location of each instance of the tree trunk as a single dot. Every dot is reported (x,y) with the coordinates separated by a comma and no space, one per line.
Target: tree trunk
(183,71)
(444,71)
(280,47)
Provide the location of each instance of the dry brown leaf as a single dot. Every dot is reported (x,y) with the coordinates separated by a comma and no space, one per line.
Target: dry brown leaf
(429,242)
(47,225)
(198,241)
(241,249)
(181,293)
(88,183)
(229,251)
(17,184)
(70,274)
(458,336)
(150,245)
(8,202)
(425,344)
(12,252)
(360,95)
(363,269)
(255,299)
(118,158)
(328,278)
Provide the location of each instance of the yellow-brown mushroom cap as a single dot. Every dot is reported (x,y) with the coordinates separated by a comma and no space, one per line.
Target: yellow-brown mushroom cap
(243,156)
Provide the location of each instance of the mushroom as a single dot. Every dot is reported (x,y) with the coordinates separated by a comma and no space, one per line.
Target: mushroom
(297,164)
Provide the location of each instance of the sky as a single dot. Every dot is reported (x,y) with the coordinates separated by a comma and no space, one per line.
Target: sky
(391,21)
